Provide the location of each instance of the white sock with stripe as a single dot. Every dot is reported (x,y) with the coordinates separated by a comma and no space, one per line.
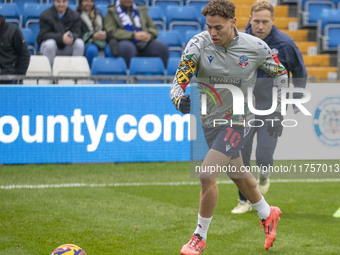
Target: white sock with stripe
(202,226)
(262,208)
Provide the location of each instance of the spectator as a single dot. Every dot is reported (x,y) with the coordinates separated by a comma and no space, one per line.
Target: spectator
(262,26)
(14,55)
(92,29)
(135,31)
(60,31)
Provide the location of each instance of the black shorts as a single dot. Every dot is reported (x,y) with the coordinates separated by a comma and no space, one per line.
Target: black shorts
(226,139)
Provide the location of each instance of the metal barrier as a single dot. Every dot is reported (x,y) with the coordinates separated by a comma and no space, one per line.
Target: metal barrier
(129,79)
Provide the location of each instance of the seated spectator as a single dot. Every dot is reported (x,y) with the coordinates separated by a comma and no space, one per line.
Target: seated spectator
(14,55)
(60,31)
(92,30)
(135,31)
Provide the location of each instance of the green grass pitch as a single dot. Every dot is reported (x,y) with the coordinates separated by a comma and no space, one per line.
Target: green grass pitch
(153,219)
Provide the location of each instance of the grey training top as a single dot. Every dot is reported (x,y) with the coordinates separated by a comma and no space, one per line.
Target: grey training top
(235,65)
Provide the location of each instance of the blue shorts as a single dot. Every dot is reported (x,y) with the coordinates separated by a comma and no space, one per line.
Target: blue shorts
(228,140)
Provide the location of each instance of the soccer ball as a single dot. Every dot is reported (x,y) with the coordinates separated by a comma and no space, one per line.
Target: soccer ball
(68,249)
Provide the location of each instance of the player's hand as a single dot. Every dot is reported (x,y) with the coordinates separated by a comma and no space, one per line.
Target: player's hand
(183,104)
(274,126)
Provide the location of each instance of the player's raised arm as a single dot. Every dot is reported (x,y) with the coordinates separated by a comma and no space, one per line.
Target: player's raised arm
(184,73)
(275,69)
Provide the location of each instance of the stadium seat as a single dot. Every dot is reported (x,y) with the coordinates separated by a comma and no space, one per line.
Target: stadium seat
(172,38)
(190,34)
(142,2)
(71,66)
(12,13)
(31,14)
(39,66)
(332,37)
(182,18)
(72,6)
(21,3)
(109,66)
(172,65)
(327,25)
(107,2)
(103,8)
(72,2)
(147,66)
(157,15)
(312,10)
(198,4)
(30,40)
(165,3)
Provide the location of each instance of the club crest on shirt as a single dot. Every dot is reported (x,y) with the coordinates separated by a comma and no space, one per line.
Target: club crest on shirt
(243,61)
(275,51)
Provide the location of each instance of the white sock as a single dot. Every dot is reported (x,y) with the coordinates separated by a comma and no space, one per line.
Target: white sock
(262,208)
(202,227)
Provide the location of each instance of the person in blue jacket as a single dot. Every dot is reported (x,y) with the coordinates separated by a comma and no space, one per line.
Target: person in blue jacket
(261,25)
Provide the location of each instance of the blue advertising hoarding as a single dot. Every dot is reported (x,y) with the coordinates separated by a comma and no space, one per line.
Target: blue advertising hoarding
(72,124)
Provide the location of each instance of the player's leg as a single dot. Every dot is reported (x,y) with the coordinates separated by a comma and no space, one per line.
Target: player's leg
(265,148)
(222,148)
(208,200)
(245,182)
(269,215)
(243,205)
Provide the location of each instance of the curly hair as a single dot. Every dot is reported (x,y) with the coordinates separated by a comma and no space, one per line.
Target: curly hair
(223,8)
(261,5)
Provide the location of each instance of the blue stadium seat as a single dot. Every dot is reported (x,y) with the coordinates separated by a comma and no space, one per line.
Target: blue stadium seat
(72,6)
(102,7)
(31,14)
(30,40)
(109,66)
(165,3)
(21,3)
(157,15)
(332,33)
(312,10)
(142,2)
(172,65)
(72,2)
(107,2)
(147,66)
(327,28)
(182,18)
(198,4)
(12,13)
(172,38)
(190,34)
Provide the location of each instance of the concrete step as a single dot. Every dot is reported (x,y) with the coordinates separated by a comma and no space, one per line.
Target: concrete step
(297,35)
(326,73)
(244,2)
(243,10)
(280,22)
(321,60)
(304,46)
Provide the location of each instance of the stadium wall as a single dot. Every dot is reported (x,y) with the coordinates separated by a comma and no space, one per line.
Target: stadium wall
(137,123)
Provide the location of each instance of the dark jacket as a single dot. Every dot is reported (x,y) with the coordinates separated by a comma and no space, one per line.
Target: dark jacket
(52,27)
(289,55)
(14,55)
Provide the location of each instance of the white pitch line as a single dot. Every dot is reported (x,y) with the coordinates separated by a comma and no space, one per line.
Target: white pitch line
(136,184)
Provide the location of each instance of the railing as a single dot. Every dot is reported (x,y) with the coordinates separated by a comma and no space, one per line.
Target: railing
(129,79)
